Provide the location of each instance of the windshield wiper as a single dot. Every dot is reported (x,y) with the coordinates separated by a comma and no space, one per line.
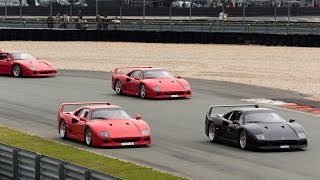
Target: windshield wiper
(254,122)
(100,118)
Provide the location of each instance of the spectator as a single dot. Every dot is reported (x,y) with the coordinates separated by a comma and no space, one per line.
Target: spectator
(58,20)
(65,20)
(221,16)
(84,24)
(99,22)
(50,22)
(80,14)
(105,23)
(78,23)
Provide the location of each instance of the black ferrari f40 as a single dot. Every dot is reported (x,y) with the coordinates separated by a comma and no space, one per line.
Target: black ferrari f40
(252,127)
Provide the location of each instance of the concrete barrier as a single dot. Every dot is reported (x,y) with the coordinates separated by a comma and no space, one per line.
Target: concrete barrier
(159,37)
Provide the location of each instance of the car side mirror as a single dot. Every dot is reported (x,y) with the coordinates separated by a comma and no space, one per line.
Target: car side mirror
(292,120)
(138,117)
(179,77)
(8,59)
(224,123)
(136,78)
(83,119)
(235,122)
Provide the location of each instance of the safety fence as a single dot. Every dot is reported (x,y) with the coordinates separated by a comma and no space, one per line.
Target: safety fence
(160,37)
(21,164)
(179,26)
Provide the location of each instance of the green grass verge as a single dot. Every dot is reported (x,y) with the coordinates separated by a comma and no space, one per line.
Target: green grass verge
(83,158)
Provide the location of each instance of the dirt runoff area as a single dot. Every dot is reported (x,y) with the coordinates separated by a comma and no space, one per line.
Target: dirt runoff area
(288,68)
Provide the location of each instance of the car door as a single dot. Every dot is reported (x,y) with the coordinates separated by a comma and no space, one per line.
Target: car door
(5,63)
(76,125)
(80,125)
(233,128)
(133,82)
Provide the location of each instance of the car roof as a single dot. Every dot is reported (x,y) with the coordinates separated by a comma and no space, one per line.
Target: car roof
(251,109)
(145,69)
(101,106)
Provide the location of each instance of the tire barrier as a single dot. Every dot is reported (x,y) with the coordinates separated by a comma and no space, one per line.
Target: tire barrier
(160,37)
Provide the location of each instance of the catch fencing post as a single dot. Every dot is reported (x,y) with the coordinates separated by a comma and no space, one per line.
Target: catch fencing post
(20,13)
(61,171)
(243,14)
(87,175)
(6,9)
(50,7)
(15,164)
(37,166)
(97,7)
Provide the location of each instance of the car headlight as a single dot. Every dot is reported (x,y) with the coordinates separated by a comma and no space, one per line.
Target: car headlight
(156,88)
(187,87)
(261,137)
(33,68)
(302,135)
(104,134)
(145,132)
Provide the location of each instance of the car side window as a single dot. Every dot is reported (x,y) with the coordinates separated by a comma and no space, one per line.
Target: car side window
(84,113)
(226,116)
(235,116)
(78,112)
(88,115)
(3,56)
(136,74)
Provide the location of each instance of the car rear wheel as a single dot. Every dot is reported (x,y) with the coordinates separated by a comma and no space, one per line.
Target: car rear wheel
(118,87)
(88,137)
(63,130)
(143,91)
(212,133)
(17,70)
(243,140)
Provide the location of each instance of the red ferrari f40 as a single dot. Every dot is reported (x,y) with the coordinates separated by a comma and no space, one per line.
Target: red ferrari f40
(102,124)
(148,82)
(23,64)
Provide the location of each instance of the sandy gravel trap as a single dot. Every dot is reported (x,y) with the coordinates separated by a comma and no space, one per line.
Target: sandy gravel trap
(288,68)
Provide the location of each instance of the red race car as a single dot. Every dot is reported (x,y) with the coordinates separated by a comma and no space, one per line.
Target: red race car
(148,82)
(23,64)
(102,124)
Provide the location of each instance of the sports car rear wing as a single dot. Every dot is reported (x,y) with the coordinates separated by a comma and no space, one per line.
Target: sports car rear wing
(238,105)
(80,103)
(116,69)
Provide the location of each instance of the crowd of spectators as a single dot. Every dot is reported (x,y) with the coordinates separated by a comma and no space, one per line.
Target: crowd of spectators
(64,21)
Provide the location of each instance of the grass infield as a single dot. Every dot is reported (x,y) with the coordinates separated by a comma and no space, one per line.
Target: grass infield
(114,167)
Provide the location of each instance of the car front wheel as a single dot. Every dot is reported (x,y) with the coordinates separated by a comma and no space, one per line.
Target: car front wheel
(88,137)
(17,70)
(63,130)
(243,140)
(143,91)
(117,87)
(212,133)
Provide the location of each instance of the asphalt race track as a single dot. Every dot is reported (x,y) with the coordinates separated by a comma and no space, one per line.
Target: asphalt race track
(179,144)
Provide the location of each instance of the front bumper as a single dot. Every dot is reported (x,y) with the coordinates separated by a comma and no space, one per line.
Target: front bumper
(282,144)
(41,73)
(168,94)
(125,141)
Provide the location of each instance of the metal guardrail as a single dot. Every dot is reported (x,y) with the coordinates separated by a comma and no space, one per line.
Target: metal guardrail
(214,26)
(18,164)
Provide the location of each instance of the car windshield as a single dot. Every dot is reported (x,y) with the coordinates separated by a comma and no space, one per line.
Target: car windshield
(157,74)
(258,117)
(109,113)
(22,56)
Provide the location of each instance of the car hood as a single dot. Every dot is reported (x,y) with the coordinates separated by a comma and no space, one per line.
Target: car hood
(38,64)
(165,84)
(277,131)
(118,128)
